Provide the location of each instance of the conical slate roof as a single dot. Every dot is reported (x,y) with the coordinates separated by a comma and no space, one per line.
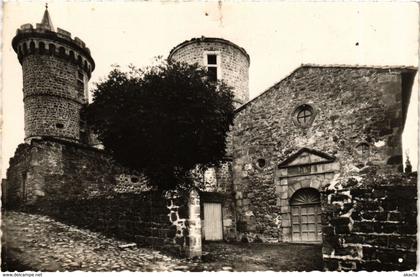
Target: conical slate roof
(46,20)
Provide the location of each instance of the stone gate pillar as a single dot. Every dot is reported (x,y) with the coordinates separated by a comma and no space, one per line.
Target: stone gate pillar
(194,225)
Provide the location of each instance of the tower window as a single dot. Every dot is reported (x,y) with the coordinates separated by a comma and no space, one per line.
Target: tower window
(79,60)
(71,54)
(51,49)
(212,67)
(211,59)
(32,46)
(41,47)
(61,51)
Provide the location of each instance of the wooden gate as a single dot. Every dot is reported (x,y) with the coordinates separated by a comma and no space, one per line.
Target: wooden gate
(306,216)
(213,229)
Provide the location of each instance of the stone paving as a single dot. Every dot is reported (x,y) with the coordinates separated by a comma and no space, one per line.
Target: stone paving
(36,242)
(47,245)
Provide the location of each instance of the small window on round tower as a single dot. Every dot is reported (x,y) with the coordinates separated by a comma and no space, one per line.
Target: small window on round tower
(51,49)
(32,47)
(71,56)
(79,60)
(41,48)
(61,51)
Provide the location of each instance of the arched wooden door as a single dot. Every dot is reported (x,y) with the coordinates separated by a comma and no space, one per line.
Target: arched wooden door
(306,215)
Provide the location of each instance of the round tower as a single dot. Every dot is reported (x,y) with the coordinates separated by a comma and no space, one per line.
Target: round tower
(56,70)
(223,59)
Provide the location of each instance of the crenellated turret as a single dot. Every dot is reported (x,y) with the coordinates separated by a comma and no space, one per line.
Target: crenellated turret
(56,70)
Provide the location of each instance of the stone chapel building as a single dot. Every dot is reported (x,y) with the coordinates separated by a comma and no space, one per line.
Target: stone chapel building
(318,123)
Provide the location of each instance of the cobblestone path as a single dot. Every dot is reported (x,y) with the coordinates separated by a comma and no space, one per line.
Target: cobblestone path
(39,243)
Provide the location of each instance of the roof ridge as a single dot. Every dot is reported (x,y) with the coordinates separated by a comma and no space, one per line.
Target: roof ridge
(396,66)
(302,65)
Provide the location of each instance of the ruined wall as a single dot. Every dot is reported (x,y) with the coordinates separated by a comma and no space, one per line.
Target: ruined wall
(85,187)
(370,223)
(234,61)
(350,107)
(16,192)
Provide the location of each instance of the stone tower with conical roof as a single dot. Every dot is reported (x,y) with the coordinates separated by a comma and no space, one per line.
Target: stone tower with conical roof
(56,70)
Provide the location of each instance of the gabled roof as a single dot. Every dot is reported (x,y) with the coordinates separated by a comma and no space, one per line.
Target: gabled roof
(309,65)
(314,157)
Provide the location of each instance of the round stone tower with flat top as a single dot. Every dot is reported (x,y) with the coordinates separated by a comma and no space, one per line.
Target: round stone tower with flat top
(223,59)
(56,70)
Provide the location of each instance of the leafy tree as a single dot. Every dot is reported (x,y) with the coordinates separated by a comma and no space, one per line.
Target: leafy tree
(164,121)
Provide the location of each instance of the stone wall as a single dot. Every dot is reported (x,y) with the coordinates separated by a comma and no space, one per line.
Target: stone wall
(370,223)
(84,186)
(352,108)
(52,97)
(234,61)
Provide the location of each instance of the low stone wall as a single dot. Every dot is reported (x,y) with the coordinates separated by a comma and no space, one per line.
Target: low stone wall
(370,223)
(156,219)
(85,187)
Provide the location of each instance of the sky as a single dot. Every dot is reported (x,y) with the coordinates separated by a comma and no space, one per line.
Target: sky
(278,36)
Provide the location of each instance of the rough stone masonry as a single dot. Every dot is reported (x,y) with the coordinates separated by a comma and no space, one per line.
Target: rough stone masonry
(286,151)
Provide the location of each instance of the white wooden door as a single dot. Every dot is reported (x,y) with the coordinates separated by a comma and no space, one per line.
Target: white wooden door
(213,229)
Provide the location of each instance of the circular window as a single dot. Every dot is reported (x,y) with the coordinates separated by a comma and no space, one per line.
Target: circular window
(261,163)
(303,115)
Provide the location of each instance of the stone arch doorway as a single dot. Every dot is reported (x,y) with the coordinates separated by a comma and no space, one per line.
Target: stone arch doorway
(305,209)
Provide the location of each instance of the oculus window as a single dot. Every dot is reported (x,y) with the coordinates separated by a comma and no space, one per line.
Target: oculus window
(304,115)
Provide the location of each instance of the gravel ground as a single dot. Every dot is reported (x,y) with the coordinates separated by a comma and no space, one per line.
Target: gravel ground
(39,243)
